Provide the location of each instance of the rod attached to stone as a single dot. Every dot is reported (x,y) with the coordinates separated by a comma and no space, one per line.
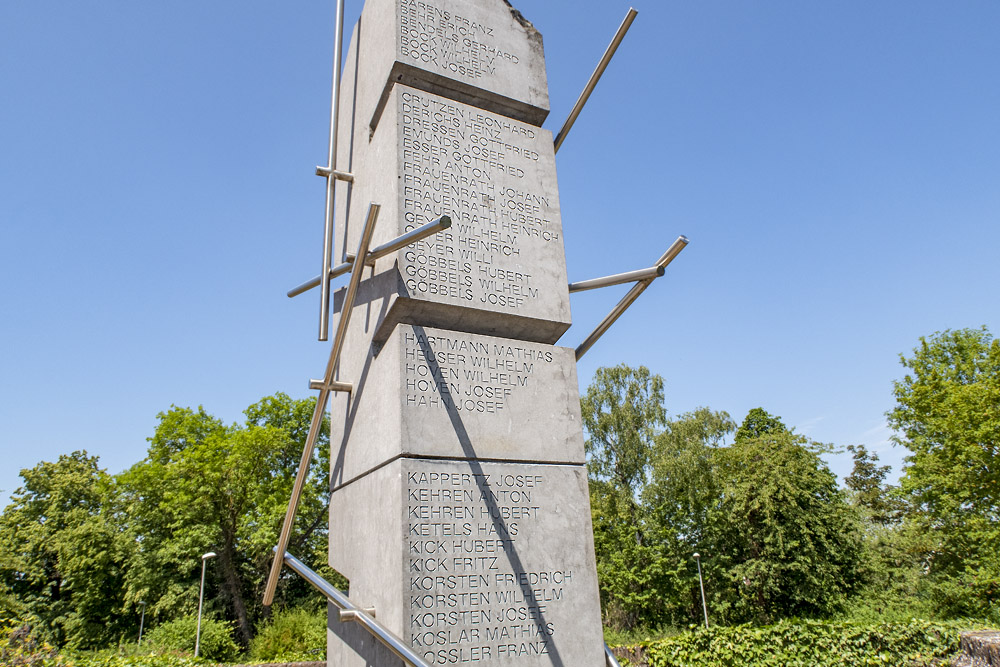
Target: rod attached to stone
(633,294)
(595,77)
(321,400)
(357,615)
(412,236)
(609,658)
(617,279)
(339,175)
(331,179)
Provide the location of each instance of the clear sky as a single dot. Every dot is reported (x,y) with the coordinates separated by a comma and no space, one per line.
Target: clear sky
(835,165)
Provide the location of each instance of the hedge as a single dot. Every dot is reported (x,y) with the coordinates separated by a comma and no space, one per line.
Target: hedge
(802,644)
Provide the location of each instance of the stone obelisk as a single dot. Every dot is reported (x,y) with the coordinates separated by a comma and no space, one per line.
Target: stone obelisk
(459,507)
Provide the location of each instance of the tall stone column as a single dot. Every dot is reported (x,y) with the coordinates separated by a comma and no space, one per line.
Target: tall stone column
(459,506)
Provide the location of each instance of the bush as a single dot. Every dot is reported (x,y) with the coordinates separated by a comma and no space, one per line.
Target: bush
(112,658)
(20,646)
(812,643)
(179,635)
(291,635)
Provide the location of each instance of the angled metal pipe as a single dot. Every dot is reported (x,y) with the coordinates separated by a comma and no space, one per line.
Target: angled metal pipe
(412,236)
(609,657)
(629,298)
(356,615)
(595,77)
(617,279)
(324,395)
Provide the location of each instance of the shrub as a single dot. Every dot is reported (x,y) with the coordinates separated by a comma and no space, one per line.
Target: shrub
(20,646)
(812,643)
(179,635)
(291,635)
(112,658)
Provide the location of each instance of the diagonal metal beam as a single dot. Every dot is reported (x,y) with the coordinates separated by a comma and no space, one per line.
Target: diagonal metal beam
(324,395)
(400,648)
(633,294)
(595,77)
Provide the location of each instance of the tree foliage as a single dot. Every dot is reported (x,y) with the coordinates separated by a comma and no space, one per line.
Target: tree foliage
(775,533)
(622,411)
(81,549)
(205,487)
(947,414)
(60,554)
(783,538)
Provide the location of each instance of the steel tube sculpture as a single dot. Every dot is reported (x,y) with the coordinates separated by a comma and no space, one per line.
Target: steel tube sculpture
(629,298)
(321,400)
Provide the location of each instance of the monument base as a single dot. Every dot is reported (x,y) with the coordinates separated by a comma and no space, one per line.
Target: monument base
(469,561)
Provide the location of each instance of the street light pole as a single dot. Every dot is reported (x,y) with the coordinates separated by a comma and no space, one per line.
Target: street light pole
(704,607)
(142,620)
(201,596)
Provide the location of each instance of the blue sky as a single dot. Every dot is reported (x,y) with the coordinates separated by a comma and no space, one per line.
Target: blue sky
(835,165)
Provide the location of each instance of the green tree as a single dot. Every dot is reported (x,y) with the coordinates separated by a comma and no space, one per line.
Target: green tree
(622,410)
(60,556)
(682,490)
(757,423)
(783,541)
(869,490)
(947,414)
(684,486)
(204,487)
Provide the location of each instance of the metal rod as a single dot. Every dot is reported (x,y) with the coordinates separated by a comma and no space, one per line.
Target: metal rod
(348,615)
(335,385)
(595,77)
(617,279)
(609,657)
(412,236)
(629,298)
(339,175)
(201,596)
(701,583)
(324,394)
(331,183)
(379,631)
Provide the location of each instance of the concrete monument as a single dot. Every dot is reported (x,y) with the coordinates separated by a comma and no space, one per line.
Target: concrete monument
(460,510)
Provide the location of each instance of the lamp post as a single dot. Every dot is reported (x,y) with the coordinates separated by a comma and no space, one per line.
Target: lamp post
(704,607)
(201,595)
(142,620)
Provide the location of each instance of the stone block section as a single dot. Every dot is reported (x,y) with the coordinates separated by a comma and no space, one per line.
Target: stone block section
(438,393)
(501,267)
(470,561)
(483,53)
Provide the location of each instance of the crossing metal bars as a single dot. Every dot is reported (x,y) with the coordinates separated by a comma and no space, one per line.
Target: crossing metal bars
(633,294)
(412,236)
(324,395)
